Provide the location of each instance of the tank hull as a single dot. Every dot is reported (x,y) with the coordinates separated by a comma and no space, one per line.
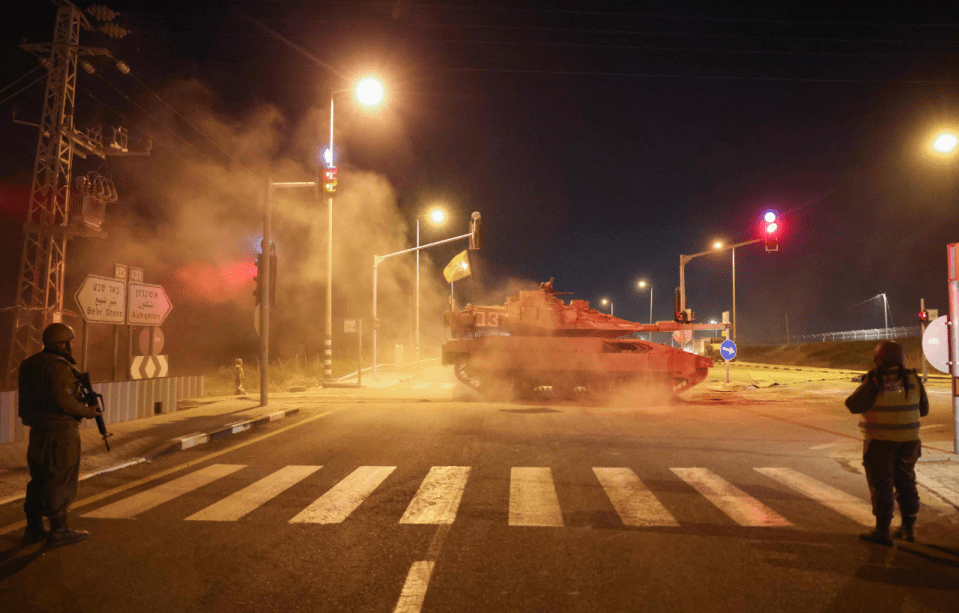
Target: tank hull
(494,364)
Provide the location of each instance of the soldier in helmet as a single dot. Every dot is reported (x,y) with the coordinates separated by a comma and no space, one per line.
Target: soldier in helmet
(891,400)
(50,405)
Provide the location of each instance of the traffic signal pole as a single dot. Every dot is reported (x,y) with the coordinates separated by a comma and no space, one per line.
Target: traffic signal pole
(685,259)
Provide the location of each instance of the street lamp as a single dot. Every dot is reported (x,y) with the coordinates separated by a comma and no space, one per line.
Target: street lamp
(643,284)
(437,216)
(945,142)
(607,301)
(369,92)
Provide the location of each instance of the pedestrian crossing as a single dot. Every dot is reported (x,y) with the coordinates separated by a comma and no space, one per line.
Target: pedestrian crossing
(533,499)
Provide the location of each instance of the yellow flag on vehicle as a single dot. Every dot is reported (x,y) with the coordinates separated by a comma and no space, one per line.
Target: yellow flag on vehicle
(458,268)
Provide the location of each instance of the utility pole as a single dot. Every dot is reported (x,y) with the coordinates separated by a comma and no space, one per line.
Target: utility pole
(39,299)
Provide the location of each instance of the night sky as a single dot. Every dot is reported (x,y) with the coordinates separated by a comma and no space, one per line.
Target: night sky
(599,140)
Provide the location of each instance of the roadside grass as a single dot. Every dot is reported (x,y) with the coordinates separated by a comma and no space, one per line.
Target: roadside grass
(283,375)
(852,355)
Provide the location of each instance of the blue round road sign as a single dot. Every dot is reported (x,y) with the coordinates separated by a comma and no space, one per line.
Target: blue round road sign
(727,349)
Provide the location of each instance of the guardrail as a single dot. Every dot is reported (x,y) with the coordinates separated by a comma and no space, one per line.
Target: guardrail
(124,401)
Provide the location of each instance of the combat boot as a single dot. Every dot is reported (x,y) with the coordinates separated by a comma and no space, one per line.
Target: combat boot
(880,535)
(35,531)
(907,531)
(60,535)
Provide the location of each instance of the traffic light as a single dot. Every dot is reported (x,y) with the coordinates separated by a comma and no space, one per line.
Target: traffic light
(329,179)
(476,231)
(771,230)
(680,315)
(924,316)
(258,279)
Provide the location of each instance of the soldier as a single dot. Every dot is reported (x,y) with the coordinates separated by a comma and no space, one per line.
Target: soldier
(50,405)
(238,376)
(891,400)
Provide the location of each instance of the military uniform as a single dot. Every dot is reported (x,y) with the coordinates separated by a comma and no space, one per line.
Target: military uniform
(891,446)
(49,404)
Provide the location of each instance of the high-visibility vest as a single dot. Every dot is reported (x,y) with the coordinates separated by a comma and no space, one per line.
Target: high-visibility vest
(895,416)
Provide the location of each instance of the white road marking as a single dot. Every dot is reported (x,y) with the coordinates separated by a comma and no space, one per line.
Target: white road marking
(132,506)
(636,505)
(824,446)
(737,504)
(837,500)
(439,496)
(414,590)
(237,505)
(532,498)
(343,498)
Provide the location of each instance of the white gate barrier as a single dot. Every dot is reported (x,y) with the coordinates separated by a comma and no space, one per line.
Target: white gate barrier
(124,401)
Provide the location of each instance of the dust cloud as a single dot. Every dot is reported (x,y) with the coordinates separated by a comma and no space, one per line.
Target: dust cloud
(191,215)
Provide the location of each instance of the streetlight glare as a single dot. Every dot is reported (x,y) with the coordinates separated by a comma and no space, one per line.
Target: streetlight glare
(328,157)
(771,228)
(717,245)
(437,216)
(369,92)
(642,284)
(604,301)
(945,142)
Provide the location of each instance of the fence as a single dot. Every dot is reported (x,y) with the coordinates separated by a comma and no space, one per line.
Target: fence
(124,401)
(877,334)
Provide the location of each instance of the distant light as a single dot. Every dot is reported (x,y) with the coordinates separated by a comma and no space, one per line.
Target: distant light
(437,216)
(604,301)
(770,228)
(328,157)
(945,142)
(642,284)
(369,92)
(717,245)
(769,216)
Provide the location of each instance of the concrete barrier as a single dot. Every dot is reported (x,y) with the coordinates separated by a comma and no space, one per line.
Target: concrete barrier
(124,401)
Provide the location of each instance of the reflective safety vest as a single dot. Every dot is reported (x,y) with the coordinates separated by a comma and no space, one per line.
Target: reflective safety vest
(895,416)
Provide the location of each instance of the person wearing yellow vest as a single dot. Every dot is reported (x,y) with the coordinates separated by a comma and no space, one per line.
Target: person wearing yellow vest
(891,400)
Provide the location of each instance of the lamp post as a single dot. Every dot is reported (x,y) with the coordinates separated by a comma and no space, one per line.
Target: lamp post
(437,216)
(643,284)
(369,92)
(607,301)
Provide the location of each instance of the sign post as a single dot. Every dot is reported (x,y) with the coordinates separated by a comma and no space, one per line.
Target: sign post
(952,251)
(728,351)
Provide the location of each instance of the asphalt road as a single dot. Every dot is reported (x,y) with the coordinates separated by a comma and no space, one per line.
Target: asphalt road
(423,497)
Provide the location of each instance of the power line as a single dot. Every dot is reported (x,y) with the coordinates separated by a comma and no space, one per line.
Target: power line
(21,79)
(40,78)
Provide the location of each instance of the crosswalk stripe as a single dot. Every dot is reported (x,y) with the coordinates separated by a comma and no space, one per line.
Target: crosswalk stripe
(237,505)
(439,496)
(737,504)
(532,498)
(837,500)
(342,499)
(132,506)
(636,505)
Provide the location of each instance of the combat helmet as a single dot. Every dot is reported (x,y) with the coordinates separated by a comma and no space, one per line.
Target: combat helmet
(57,333)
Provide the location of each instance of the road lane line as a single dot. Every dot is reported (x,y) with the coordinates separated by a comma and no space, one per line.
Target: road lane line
(823,446)
(131,506)
(342,499)
(837,500)
(237,505)
(635,504)
(439,496)
(532,498)
(414,590)
(737,504)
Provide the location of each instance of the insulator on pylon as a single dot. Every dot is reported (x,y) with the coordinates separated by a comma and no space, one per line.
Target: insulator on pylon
(87,67)
(101,12)
(123,67)
(113,30)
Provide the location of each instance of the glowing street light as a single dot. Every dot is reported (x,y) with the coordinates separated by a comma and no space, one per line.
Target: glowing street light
(607,301)
(437,216)
(945,143)
(369,92)
(643,284)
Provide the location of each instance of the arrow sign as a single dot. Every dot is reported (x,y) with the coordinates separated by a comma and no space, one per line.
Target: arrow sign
(102,300)
(149,305)
(727,350)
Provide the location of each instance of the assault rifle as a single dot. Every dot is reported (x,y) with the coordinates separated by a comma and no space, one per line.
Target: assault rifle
(92,398)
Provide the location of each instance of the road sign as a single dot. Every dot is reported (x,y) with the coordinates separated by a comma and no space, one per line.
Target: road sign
(136,274)
(935,344)
(349,325)
(683,336)
(120,272)
(149,305)
(149,366)
(102,300)
(144,341)
(728,349)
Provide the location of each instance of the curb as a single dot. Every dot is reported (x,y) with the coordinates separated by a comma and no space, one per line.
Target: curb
(837,371)
(192,440)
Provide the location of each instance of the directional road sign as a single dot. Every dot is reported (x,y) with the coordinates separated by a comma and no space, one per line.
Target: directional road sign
(149,305)
(102,300)
(935,344)
(727,349)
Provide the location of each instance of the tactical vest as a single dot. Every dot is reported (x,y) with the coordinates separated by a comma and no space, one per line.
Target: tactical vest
(895,416)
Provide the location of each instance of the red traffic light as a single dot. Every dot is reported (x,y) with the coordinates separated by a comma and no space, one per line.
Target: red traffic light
(771,229)
(924,315)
